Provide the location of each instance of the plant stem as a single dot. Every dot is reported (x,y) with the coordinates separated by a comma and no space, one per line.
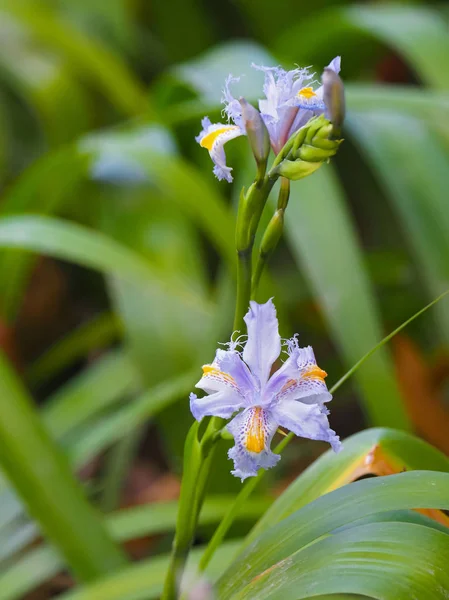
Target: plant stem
(198,457)
(251,206)
(272,234)
(244,268)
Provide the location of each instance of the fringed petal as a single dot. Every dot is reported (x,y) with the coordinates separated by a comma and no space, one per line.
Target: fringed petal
(307,421)
(221,404)
(299,378)
(264,343)
(213,137)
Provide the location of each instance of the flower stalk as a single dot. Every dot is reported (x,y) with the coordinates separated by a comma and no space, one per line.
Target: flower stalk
(198,457)
(272,235)
(293,120)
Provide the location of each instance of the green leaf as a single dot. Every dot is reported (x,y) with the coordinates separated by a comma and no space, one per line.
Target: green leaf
(207,73)
(89,57)
(88,248)
(144,580)
(318,222)
(40,474)
(417,489)
(94,434)
(412,166)
(92,335)
(331,471)
(42,563)
(389,561)
(111,428)
(37,190)
(417,33)
(110,378)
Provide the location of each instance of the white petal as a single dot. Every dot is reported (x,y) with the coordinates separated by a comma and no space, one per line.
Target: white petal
(221,404)
(264,343)
(306,420)
(213,137)
(253,430)
(335,64)
(232,106)
(299,378)
(228,373)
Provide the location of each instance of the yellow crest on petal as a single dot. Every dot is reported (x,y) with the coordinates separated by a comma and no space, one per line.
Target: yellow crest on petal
(255,437)
(214,372)
(209,139)
(314,372)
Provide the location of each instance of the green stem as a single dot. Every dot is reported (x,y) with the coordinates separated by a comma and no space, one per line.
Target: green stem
(198,456)
(251,206)
(244,267)
(272,235)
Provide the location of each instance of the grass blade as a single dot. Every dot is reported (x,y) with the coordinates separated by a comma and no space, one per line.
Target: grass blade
(43,479)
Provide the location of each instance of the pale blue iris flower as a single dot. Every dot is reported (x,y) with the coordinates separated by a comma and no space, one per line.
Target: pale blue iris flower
(291,100)
(239,382)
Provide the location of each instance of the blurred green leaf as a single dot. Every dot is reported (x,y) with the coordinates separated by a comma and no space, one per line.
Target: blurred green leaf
(42,477)
(317,223)
(39,564)
(111,377)
(89,248)
(89,57)
(92,335)
(417,33)
(144,580)
(412,166)
(206,75)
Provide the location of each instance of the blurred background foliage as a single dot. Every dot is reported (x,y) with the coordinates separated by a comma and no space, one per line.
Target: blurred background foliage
(117,256)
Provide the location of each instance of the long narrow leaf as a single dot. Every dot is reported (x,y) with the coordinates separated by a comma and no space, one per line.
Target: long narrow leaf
(42,477)
(323,242)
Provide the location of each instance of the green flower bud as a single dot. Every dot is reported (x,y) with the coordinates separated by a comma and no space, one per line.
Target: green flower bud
(272,233)
(311,146)
(256,131)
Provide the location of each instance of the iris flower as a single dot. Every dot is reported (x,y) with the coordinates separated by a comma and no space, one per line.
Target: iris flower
(238,381)
(291,100)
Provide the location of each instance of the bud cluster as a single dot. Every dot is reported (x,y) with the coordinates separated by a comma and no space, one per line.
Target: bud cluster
(310,147)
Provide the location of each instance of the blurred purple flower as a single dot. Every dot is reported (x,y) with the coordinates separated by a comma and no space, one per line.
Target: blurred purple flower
(291,100)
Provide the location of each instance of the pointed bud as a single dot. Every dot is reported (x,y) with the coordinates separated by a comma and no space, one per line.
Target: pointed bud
(334,97)
(256,131)
(272,233)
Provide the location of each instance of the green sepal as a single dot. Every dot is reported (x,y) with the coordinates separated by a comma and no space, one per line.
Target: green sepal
(297,169)
(314,154)
(272,233)
(325,144)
